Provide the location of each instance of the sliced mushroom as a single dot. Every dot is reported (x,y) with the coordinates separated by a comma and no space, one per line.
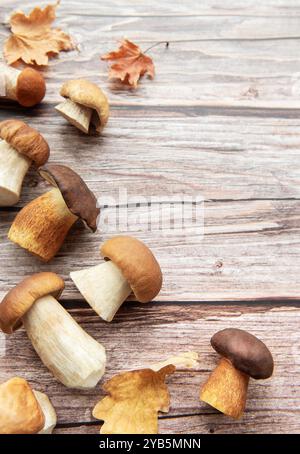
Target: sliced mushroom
(20,146)
(131,268)
(243,356)
(24,410)
(49,412)
(42,225)
(86,105)
(74,358)
(27,87)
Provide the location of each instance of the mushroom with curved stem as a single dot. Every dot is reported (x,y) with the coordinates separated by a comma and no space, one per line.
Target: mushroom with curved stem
(74,358)
(27,87)
(131,267)
(20,146)
(243,356)
(24,410)
(86,105)
(42,225)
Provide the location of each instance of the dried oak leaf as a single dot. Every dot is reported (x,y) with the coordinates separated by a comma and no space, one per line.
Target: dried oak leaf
(130,63)
(134,400)
(33,40)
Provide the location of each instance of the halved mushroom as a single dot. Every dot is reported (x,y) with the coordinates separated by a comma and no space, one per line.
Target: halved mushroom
(24,410)
(74,358)
(27,87)
(20,146)
(243,356)
(85,105)
(131,267)
(42,225)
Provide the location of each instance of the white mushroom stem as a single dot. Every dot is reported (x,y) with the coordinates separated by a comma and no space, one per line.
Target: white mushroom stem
(13,168)
(8,81)
(78,115)
(49,412)
(73,357)
(104,288)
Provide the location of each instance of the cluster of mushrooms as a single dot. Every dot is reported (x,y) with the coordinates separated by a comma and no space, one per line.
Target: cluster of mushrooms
(74,358)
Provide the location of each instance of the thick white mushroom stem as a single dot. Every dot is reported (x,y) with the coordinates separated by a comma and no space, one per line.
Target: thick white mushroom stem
(48,410)
(13,168)
(8,81)
(74,358)
(104,288)
(78,115)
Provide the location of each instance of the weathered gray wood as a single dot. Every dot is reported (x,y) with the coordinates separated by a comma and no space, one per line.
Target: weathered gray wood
(227,60)
(262,422)
(142,335)
(221,119)
(250,250)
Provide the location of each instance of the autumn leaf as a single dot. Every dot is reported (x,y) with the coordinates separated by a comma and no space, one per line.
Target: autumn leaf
(33,40)
(134,400)
(130,63)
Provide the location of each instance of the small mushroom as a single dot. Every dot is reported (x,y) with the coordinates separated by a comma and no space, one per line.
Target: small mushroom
(130,267)
(243,356)
(85,105)
(42,225)
(27,87)
(24,410)
(20,146)
(74,358)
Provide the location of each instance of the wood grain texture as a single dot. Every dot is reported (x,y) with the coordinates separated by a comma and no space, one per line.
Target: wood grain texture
(221,121)
(143,335)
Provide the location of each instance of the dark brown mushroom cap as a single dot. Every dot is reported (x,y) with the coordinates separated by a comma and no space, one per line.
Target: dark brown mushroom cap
(247,353)
(78,197)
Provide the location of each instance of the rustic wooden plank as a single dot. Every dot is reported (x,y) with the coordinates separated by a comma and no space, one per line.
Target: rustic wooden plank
(174,8)
(250,251)
(170,152)
(262,422)
(224,59)
(153,332)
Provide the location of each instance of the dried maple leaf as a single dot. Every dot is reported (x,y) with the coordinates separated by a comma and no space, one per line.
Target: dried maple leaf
(130,63)
(33,40)
(134,400)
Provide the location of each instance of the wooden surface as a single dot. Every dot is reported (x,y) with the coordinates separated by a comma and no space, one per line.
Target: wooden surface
(221,119)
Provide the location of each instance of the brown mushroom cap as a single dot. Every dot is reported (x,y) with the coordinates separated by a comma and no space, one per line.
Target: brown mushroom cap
(20,411)
(137,264)
(26,140)
(20,299)
(247,353)
(90,95)
(31,87)
(77,196)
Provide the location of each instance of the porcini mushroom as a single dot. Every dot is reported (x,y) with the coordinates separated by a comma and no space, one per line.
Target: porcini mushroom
(243,356)
(27,87)
(85,105)
(74,358)
(42,225)
(24,410)
(130,267)
(20,146)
